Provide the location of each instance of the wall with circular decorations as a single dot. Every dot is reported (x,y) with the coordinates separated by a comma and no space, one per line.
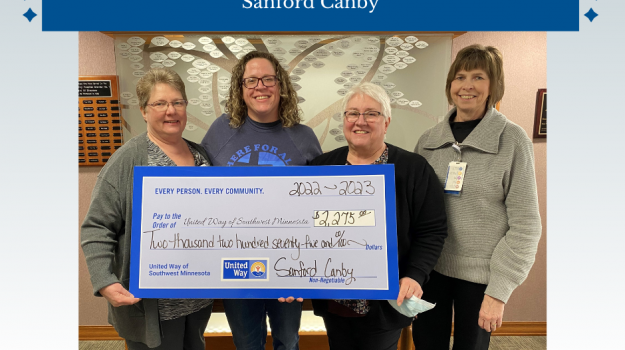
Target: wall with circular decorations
(411,68)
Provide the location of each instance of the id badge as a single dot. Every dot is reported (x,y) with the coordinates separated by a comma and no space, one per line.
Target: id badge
(455,178)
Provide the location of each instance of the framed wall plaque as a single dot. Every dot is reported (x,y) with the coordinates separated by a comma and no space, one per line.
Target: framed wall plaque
(99,121)
(540,118)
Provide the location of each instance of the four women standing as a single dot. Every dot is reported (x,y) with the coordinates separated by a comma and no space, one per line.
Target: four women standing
(489,212)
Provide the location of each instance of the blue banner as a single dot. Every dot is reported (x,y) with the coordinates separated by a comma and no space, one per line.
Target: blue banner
(310,15)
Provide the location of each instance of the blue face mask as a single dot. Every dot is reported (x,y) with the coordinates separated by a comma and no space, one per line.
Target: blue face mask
(411,307)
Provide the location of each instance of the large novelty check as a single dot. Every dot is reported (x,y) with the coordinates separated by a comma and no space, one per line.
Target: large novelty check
(264,232)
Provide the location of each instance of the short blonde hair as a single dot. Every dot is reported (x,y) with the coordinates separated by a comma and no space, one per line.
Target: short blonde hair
(488,59)
(288,112)
(158,76)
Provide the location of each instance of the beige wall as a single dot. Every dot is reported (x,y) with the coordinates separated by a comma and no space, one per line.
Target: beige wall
(95,57)
(525,60)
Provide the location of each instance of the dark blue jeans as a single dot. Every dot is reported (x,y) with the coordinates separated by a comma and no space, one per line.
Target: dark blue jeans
(247,321)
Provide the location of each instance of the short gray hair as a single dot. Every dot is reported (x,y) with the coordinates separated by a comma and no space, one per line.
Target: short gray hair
(375,92)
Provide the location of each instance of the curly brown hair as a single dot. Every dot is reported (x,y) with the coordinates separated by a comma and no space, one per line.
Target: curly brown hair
(289,112)
(488,59)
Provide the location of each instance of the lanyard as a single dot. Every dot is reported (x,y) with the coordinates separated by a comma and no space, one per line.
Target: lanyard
(457,148)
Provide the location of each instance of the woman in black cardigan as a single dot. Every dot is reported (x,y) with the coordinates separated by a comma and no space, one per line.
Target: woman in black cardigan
(421,223)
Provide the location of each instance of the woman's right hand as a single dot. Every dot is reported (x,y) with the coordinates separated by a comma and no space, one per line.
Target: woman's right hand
(491,313)
(117,295)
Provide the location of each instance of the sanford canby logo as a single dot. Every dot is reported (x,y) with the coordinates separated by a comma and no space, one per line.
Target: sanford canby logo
(258,269)
(259,154)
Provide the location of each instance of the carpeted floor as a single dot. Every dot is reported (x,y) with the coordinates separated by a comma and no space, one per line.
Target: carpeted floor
(517,343)
(496,343)
(101,345)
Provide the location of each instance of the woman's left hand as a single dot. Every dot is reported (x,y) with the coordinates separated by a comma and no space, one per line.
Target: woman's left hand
(491,313)
(290,300)
(407,288)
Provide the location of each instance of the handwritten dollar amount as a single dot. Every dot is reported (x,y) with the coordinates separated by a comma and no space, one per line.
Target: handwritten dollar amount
(324,218)
(344,188)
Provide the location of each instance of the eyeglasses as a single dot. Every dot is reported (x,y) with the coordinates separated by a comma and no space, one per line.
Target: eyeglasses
(161,106)
(352,116)
(268,81)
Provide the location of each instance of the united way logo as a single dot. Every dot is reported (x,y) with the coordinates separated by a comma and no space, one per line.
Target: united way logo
(244,269)
(259,155)
(257,270)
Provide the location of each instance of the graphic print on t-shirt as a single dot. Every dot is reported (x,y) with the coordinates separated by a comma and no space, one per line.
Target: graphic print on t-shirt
(259,155)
